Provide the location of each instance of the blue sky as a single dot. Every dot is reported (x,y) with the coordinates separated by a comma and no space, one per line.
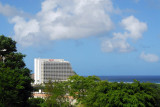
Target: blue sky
(98,37)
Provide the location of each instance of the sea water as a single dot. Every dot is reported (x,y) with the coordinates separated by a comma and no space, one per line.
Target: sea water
(130,79)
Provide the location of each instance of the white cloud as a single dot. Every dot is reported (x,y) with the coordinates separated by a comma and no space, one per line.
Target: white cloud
(133,30)
(149,57)
(116,44)
(73,19)
(134,27)
(25,32)
(10,11)
(64,19)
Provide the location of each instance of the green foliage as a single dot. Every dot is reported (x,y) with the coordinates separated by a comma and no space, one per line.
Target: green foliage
(56,94)
(8,44)
(92,92)
(15,81)
(122,95)
(37,87)
(14,60)
(79,86)
(35,102)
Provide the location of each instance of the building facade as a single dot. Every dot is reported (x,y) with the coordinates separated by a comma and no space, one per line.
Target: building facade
(51,69)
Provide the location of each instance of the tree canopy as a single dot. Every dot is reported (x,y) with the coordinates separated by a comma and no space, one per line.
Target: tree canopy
(15,80)
(7,45)
(92,92)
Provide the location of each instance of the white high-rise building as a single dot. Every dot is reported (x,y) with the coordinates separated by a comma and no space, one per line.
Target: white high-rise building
(51,69)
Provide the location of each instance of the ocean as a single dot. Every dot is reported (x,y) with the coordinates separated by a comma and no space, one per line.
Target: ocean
(129,79)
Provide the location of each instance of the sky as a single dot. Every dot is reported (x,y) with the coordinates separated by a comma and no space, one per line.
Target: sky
(98,37)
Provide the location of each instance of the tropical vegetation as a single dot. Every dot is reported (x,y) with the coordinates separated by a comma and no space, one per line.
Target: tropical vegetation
(92,92)
(15,80)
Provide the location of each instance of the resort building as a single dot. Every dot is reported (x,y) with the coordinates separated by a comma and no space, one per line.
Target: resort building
(51,69)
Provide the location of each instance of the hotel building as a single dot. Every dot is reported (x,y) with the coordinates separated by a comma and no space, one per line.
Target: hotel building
(51,69)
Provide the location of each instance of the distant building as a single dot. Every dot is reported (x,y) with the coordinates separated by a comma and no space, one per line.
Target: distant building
(51,69)
(40,94)
(44,95)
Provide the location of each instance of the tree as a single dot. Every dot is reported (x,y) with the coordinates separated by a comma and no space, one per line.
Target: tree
(80,86)
(7,45)
(123,95)
(57,94)
(35,102)
(15,80)
(92,92)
